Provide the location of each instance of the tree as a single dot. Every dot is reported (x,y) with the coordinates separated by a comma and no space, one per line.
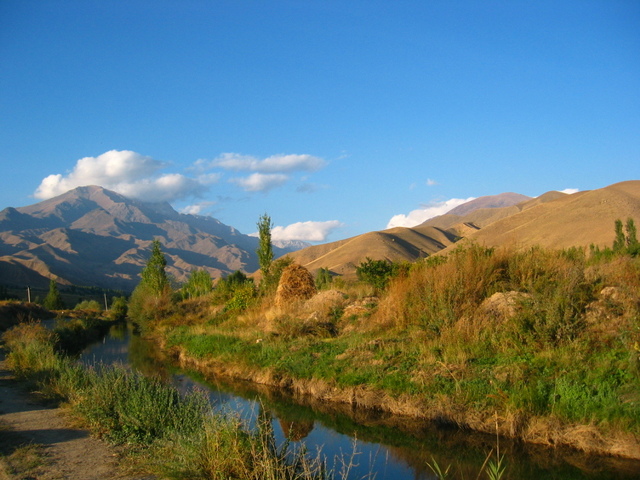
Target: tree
(375,272)
(265,249)
(152,295)
(620,242)
(119,308)
(323,278)
(53,300)
(154,276)
(633,246)
(198,284)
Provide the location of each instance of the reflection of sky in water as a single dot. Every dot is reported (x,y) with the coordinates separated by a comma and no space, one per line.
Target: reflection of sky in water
(383,462)
(335,447)
(110,350)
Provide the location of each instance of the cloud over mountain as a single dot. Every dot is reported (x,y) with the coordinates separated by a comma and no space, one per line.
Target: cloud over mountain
(420,215)
(125,172)
(139,176)
(306,231)
(266,174)
(260,182)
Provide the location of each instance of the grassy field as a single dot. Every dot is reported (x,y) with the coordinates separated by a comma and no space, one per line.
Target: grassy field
(545,344)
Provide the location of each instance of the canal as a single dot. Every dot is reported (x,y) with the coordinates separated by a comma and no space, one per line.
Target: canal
(385,446)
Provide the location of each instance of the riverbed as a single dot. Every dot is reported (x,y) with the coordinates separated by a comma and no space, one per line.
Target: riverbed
(374,445)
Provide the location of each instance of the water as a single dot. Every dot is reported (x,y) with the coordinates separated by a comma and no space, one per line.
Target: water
(387,447)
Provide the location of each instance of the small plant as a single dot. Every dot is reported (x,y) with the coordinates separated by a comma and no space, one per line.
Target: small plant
(53,300)
(89,305)
(323,278)
(437,470)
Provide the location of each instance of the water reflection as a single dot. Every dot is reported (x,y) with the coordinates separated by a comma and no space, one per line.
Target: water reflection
(388,446)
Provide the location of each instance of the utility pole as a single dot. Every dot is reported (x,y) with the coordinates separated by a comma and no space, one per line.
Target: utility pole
(106,306)
(28,294)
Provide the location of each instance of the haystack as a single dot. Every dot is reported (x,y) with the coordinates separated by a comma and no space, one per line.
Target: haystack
(296,283)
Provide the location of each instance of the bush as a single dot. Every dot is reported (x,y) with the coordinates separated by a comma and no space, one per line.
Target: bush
(375,272)
(89,305)
(119,309)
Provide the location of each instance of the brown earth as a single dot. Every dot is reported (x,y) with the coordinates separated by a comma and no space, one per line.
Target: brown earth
(67,452)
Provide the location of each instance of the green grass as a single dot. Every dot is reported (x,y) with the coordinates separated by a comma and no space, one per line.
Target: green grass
(566,351)
(178,436)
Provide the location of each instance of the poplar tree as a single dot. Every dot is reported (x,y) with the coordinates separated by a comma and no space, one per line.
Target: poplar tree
(633,246)
(154,276)
(620,242)
(265,249)
(53,300)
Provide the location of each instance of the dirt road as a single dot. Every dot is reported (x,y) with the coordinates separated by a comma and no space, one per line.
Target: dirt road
(69,453)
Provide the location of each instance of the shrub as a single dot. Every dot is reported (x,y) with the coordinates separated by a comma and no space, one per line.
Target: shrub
(375,272)
(119,309)
(89,305)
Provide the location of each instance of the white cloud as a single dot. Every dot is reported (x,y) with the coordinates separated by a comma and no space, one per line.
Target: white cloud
(196,208)
(431,183)
(209,178)
(125,172)
(570,191)
(306,231)
(260,182)
(421,215)
(166,188)
(273,164)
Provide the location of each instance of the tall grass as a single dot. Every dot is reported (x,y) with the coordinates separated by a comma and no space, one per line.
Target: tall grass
(180,435)
(528,334)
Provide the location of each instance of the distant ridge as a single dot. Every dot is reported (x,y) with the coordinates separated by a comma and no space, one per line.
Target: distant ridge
(490,201)
(557,220)
(554,220)
(91,236)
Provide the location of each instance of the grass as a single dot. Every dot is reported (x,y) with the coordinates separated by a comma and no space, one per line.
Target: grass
(18,458)
(528,334)
(174,435)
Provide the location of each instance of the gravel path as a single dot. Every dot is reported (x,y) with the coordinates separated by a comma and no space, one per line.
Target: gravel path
(70,453)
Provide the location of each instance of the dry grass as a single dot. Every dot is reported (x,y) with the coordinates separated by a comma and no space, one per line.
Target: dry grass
(296,283)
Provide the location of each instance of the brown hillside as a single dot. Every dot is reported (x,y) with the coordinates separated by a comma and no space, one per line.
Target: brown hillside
(489,201)
(566,220)
(396,245)
(555,220)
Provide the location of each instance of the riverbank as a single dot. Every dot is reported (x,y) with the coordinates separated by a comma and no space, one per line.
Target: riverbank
(13,312)
(547,431)
(165,432)
(41,442)
(540,346)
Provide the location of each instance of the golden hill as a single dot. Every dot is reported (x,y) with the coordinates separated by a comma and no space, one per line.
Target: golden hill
(396,245)
(554,220)
(563,221)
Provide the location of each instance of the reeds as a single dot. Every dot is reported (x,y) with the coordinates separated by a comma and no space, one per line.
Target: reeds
(179,434)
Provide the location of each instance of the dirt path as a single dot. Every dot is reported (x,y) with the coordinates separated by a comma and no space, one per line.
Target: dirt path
(70,453)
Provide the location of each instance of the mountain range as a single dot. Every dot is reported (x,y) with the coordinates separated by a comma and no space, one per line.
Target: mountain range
(91,236)
(553,220)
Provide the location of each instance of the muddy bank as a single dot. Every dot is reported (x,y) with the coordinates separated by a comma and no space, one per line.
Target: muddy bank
(13,313)
(547,431)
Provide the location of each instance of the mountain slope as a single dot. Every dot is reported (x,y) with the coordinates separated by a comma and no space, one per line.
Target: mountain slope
(94,237)
(555,220)
(563,221)
(397,245)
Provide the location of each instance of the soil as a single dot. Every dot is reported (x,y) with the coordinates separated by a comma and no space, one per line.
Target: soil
(69,453)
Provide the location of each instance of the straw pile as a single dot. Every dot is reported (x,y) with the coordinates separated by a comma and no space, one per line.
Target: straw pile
(296,283)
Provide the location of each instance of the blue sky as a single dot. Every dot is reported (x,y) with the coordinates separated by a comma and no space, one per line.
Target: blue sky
(334,117)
